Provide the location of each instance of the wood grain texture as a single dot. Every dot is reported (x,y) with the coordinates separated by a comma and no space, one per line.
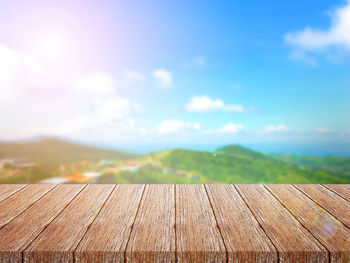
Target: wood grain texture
(333,203)
(61,237)
(197,236)
(327,229)
(341,189)
(7,190)
(20,201)
(107,237)
(244,239)
(22,230)
(293,242)
(152,237)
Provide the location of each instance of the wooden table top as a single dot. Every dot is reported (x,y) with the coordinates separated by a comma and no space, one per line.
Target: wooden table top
(174,223)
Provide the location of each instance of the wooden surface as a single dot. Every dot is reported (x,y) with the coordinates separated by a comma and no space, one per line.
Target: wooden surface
(174,223)
(152,237)
(342,190)
(292,241)
(330,232)
(198,238)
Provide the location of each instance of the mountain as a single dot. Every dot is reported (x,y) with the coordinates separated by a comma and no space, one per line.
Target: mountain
(51,152)
(52,157)
(236,164)
(241,152)
(333,164)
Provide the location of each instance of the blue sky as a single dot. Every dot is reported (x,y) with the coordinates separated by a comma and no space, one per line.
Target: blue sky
(176,72)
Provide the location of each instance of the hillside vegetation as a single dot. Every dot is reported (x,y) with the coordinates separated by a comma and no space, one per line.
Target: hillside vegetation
(236,164)
(333,164)
(52,152)
(53,158)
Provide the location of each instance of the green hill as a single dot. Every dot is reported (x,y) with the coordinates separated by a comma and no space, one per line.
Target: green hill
(241,152)
(235,164)
(48,155)
(228,164)
(333,164)
(52,152)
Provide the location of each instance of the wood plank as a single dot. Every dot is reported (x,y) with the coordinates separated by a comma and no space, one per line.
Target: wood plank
(22,230)
(197,237)
(341,189)
(20,201)
(333,203)
(60,238)
(327,229)
(7,190)
(293,242)
(107,237)
(244,239)
(152,237)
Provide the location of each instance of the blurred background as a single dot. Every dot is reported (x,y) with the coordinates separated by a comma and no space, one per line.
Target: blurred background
(174,91)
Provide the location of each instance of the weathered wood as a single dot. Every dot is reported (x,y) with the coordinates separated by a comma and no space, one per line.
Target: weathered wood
(20,201)
(168,223)
(244,239)
(333,203)
(152,237)
(22,230)
(197,237)
(107,237)
(61,237)
(7,190)
(341,189)
(327,229)
(293,242)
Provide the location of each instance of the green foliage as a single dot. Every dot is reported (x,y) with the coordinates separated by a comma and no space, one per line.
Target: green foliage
(333,164)
(241,152)
(229,164)
(235,164)
(149,175)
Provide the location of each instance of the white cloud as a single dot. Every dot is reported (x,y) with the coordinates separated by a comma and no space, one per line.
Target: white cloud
(115,108)
(323,130)
(133,75)
(317,40)
(175,126)
(115,111)
(22,73)
(276,128)
(163,77)
(231,128)
(205,103)
(299,55)
(59,102)
(96,83)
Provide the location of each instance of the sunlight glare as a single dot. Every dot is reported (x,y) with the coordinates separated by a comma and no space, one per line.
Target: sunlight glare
(51,47)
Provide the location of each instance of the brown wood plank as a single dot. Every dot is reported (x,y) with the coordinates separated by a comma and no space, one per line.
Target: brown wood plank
(59,240)
(197,237)
(293,242)
(7,190)
(341,189)
(22,230)
(327,229)
(244,239)
(152,237)
(107,237)
(333,203)
(20,201)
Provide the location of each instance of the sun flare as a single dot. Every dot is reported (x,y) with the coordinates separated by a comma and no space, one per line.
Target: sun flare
(51,47)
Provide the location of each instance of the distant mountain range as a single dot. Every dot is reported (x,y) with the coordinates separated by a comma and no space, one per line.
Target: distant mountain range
(229,164)
(51,152)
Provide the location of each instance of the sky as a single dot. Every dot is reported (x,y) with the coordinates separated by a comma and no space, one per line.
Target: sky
(176,73)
